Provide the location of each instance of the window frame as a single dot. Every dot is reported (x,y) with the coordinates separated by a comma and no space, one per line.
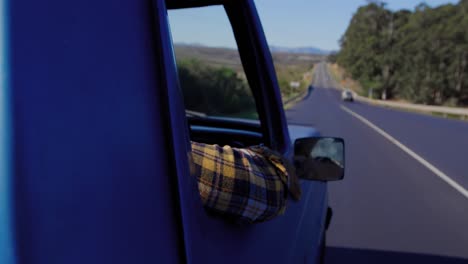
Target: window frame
(258,67)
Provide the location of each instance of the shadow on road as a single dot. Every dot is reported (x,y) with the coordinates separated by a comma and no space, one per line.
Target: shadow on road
(348,255)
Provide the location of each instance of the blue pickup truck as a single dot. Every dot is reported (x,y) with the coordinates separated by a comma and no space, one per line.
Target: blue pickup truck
(94,140)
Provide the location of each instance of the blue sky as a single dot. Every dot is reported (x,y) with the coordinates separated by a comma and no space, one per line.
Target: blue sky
(291,23)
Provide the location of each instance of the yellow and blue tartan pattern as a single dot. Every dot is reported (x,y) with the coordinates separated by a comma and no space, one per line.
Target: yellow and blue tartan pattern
(240,182)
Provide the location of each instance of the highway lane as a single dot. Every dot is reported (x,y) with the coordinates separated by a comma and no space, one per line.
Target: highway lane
(390,207)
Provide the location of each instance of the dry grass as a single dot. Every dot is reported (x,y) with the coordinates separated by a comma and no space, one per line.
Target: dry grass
(342,78)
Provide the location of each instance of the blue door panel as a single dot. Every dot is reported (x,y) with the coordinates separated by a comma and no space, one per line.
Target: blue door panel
(293,236)
(92,180)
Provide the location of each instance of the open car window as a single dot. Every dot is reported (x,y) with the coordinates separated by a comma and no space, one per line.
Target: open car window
(220,107)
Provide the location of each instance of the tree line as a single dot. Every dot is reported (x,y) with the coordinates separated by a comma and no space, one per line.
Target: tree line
(419,55)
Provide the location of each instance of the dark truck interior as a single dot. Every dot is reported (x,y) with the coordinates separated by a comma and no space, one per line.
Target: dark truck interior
(223,131)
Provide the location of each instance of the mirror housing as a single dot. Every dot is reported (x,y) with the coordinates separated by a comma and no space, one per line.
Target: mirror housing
(319,158)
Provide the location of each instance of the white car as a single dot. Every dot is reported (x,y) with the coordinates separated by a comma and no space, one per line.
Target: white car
(347,95)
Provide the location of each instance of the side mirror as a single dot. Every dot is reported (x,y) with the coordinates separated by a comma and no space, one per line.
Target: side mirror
(319,158)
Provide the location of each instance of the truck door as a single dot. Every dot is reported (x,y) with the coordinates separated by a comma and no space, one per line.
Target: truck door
(219,93)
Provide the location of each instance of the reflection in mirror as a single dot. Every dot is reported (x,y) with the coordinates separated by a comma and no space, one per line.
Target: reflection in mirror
(331,148)
(319,158)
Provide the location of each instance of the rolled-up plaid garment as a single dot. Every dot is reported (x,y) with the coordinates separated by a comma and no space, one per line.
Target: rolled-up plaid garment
(248,184)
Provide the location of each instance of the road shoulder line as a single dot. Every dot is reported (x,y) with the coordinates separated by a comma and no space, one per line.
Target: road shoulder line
(421,160)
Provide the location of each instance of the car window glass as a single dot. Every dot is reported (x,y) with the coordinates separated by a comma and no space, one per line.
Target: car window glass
(210,71)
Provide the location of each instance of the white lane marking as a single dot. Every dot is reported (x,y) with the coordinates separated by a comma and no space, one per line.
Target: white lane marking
(421,160)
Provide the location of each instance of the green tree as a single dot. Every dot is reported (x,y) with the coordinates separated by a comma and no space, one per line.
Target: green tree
(420,56)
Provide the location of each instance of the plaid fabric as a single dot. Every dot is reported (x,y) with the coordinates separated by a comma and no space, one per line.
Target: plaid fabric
(246,184)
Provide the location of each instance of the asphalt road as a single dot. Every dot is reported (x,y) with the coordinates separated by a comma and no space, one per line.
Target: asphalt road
(391,208)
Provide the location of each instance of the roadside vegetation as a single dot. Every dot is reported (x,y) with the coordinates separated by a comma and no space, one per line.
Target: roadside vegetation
(419,56)
(214,91)
(213,80)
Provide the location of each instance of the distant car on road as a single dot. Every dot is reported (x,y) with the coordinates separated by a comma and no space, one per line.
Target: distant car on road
(347,95)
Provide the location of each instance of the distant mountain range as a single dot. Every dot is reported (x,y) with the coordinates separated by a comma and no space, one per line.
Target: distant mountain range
(297,50)
(306,50)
